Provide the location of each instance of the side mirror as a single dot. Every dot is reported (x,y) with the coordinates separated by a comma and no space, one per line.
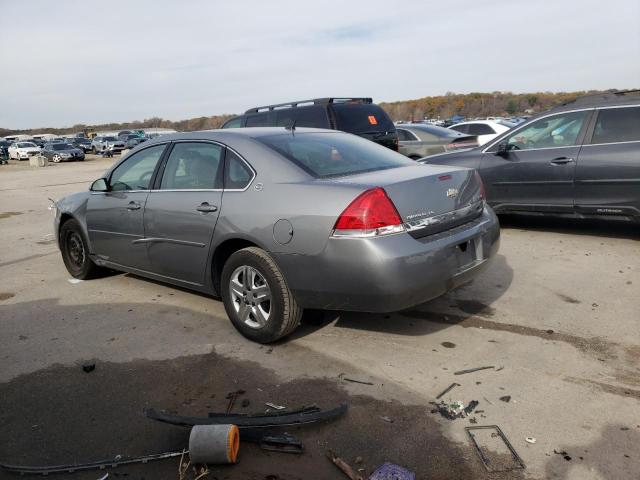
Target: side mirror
(503,149)
(100,185)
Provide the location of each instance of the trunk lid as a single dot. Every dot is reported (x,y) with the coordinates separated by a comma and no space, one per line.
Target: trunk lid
(430,199)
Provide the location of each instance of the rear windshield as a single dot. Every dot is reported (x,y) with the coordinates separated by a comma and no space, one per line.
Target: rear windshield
(361,118)
(325,155)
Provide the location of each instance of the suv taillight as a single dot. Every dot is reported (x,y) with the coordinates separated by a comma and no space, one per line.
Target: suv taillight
(371,214)
(483,192)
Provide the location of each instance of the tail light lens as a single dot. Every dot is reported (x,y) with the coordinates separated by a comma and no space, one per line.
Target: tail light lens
(483,192)
(371,214)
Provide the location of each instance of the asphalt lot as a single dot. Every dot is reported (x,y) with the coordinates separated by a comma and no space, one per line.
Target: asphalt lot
(557,314)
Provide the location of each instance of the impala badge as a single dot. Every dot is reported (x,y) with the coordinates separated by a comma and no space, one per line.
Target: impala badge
(452,192)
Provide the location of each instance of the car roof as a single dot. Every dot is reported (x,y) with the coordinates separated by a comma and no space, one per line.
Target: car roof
(247,132)
(608,99)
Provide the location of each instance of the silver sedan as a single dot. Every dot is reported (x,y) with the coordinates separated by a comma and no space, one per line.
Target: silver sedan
(277,220)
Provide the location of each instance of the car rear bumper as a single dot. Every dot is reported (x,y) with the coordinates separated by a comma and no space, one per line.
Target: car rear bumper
(388,274)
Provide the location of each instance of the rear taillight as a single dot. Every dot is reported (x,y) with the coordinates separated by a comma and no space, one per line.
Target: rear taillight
(483,193)
(371,214)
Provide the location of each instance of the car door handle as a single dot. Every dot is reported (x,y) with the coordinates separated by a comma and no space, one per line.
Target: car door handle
(133,206)
(561,161)
(205,207)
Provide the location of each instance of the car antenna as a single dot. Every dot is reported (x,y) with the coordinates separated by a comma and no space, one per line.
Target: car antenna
(292,127)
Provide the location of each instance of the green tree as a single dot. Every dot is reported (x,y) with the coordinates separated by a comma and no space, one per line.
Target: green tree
(512,107)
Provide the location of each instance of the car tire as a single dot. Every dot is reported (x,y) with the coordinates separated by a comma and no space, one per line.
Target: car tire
(245,274)
(75,251)
(56,158)
(94,150)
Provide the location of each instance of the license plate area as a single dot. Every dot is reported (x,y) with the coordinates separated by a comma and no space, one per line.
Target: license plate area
(469,252)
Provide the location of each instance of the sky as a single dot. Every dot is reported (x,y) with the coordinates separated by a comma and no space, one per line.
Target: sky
(82,61)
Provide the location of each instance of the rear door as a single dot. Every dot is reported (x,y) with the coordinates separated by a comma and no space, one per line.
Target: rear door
(537,171)
(115,218)
(608,170)
(182,211)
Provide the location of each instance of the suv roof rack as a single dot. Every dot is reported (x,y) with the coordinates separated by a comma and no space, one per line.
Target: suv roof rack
(604,98)
(313,101)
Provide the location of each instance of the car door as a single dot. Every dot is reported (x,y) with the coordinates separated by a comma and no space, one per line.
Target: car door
(537,168)
(115,217)
(182,211)
(608,169)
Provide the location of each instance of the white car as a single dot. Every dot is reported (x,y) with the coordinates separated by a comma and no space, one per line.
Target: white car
(23,150)
(485,130)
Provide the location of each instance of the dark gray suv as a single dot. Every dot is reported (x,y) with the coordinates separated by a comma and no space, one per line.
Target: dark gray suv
(581,158)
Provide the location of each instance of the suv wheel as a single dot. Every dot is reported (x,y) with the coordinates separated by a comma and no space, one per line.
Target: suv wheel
(75,251)
(256,296)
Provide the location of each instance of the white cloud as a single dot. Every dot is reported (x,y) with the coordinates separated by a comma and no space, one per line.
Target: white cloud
(68,62)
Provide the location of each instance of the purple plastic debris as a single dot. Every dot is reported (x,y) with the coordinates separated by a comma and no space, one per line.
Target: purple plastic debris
(389,471)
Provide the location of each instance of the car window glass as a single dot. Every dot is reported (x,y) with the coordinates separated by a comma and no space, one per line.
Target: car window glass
(333,154)
(233,123)
(136,171)
(192,165)
(557,131)
(402,135)
(312,116)
(411,136)
(237,174)
(460,128)
(480,129)
(617,125)
(259,120)
(361,118)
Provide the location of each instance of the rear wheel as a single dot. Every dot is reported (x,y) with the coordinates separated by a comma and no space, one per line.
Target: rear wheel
(56,158)
(256,296)
(75,251)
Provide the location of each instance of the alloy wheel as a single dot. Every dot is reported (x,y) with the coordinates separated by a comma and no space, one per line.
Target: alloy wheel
(250,296)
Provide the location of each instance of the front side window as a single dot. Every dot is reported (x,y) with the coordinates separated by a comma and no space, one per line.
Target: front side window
(560,130)
(193,166)
(403,135)
(259,120)
(461,128)
(136,171)
(334,154)
(617,125)
(233,123)
(237,174)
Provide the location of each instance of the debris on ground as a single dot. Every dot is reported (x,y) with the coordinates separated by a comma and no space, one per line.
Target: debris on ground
(506,398)
(351,380)
(343,466)
(88,367)
(386,419)
(389,471)
(454,410)
(448,389)
(232,396)
(530,440)
(497,464)
(564,454)
(246,402)
(471,370)
(274,406)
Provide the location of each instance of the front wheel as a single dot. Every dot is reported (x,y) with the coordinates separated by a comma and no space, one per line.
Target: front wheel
(56,158)
(75,251)
(256,296)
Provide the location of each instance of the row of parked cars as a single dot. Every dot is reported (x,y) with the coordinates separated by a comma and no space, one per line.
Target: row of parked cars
(70,148)
(279,218)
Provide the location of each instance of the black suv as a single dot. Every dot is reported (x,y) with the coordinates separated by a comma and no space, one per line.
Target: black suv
(581,158)
(359,116)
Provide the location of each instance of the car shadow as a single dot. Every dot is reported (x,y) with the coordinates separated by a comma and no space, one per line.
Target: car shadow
(573,226)
(474,298)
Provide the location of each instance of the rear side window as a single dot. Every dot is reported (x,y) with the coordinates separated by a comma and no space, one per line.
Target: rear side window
(325,155)
(617,125)
(403,135)
(193,166)
(258,120)
(361,118)
(313,116)
(480,129)
(237,174)
(233,123)
(461,128)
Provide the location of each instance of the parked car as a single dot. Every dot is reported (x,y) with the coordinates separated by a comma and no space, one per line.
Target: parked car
(485,130)
(4,151)
(82,143)
(276,221)
(62,152)
(23,150)
(417,140)
(580,159)
(134,141)
(106,143)
(359,116)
